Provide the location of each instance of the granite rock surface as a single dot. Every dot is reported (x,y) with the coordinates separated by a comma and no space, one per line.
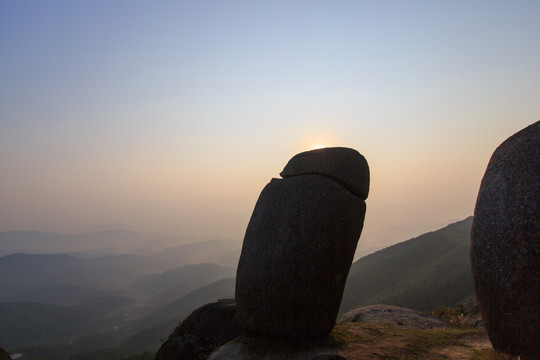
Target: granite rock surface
(393,316)
(505,245)
(299,246)
(208,327)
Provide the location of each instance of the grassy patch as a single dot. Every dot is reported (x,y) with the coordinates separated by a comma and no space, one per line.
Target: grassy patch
(419,342)
(340,335)
(440,337)
(402,343)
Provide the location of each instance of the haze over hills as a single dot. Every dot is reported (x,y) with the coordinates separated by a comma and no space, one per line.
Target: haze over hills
(192,275)
(103,242)
(21,273)
(224,252)
(176,282)
(108,242)
(161,322)
(65,295)
(64,279)
(127,303)
(422,273)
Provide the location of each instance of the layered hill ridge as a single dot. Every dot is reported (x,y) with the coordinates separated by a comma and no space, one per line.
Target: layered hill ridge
(422,273)
(21,273)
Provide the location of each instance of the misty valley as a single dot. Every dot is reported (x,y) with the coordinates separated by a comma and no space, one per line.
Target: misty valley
(115,294)
(99,296)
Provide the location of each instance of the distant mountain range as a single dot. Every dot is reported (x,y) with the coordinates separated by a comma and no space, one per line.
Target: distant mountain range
(54,278)
(114,242)
(422,273)
(59,304)
(171,285)
(160,323)
(216,251)
(23,273)
(30,323)
(99,243)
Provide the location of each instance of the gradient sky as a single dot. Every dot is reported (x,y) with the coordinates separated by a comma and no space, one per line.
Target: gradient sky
(172,116)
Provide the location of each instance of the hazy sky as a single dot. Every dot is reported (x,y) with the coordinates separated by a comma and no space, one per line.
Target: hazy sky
(172,116)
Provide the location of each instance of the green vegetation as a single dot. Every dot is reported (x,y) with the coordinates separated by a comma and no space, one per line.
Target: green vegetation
(422,273)
(426,339)
(454,317)
(403,343)
(340,335)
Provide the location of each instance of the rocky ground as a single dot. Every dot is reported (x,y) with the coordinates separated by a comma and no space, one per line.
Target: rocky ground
(372,332)
(374,341)
(371,341)
(391,332)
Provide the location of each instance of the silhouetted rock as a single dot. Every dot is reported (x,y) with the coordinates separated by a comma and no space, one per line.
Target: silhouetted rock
(394,316)
(187,347)
(505,245)
(4,355)
(299,246)
(345,165)
(214,323)
(208,327)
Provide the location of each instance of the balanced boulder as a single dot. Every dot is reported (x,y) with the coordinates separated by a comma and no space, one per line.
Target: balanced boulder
(505,245)
(300,243)
(344,165)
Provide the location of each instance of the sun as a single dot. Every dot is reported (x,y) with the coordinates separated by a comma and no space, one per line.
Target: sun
(318,146)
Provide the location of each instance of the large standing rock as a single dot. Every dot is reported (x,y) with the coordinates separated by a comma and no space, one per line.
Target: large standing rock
(505,245)
(300,243)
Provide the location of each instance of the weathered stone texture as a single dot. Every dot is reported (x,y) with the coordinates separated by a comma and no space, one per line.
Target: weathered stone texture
(393,316)
(505,245)
(207,327)
(297,251)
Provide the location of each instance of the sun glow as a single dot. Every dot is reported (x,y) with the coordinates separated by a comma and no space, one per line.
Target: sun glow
(318,146)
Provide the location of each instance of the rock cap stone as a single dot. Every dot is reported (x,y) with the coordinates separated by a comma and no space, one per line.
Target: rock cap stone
(345,165)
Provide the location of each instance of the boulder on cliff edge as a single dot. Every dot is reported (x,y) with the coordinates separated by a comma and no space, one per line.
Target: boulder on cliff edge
(505,245)
(207,328)
(299,245)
